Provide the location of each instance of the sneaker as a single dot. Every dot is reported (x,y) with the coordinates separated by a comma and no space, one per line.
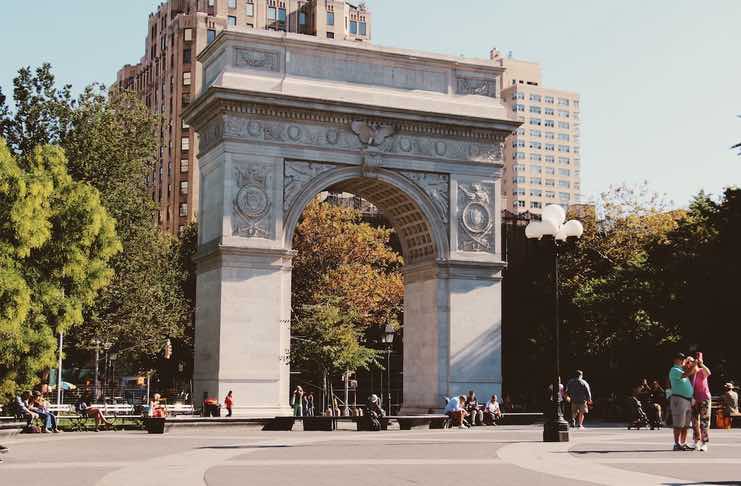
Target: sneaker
(581,427)
(704,447)
(677,447)
(685,447)
(697,446)
(3,450)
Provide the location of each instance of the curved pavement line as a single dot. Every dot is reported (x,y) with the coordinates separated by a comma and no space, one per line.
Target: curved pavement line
(554,459)
(185,468)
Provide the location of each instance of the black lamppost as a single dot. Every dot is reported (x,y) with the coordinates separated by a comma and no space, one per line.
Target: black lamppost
(555,230)
(388,340)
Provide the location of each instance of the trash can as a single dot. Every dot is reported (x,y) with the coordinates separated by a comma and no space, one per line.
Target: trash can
(155,425)
(211,408)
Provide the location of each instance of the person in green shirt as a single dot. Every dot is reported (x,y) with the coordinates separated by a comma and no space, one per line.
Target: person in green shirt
(680,401)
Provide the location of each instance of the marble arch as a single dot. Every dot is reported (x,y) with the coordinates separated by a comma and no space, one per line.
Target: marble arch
(282,117)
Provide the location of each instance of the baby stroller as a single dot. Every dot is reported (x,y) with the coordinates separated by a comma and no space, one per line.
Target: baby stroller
(637,418)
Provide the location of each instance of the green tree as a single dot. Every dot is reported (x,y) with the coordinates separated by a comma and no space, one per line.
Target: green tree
(110,142)
(56,242)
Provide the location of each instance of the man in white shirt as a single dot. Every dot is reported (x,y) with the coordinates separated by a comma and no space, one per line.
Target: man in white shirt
(492,412)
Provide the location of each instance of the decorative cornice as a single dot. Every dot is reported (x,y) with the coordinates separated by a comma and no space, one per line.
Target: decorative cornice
(337,118)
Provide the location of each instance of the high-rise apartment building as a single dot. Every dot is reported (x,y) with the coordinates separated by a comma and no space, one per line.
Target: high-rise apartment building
(168,76)
(543,157)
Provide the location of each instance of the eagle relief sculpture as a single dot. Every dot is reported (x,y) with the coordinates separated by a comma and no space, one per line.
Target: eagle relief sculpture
(372,134)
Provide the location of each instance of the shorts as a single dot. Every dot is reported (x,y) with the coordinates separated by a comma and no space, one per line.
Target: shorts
(681,412)
(577,407)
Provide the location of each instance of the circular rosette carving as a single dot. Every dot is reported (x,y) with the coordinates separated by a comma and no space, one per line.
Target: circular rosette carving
(252,202)
(477,218)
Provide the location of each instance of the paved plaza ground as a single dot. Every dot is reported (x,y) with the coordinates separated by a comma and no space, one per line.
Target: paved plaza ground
(483,456)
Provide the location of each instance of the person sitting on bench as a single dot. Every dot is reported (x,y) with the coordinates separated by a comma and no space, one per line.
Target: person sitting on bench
(456,412)
(492,411)
(374,413)
(87,410)
(472,408)
(40,406)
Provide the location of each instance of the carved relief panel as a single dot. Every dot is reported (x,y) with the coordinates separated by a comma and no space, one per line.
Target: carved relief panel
(251,203)
(476,217)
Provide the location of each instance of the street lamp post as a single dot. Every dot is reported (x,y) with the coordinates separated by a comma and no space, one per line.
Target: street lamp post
(555,230)
(388,340)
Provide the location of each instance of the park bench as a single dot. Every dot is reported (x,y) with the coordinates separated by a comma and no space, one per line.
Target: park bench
(180,409)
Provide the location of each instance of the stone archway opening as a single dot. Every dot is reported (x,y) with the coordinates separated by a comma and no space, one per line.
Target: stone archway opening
(416,243)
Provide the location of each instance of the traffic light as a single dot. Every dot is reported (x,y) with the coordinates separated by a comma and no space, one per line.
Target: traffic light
(168,349)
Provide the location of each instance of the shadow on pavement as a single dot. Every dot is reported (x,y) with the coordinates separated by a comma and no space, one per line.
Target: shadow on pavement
(610,452)
(704,483)
(276,446)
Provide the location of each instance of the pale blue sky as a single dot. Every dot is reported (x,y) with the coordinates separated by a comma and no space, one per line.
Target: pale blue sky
(660,80)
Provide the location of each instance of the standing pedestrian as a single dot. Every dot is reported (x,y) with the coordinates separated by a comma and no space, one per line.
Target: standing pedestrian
(310,404)
(581,397)
(680,401)
(701,404)
(229,403)
(297,402)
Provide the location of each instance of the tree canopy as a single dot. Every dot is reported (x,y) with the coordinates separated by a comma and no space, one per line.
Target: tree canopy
(110,142)
(56,243)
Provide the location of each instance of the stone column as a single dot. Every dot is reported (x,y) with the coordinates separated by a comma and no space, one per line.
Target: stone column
(243,329)
(243,291)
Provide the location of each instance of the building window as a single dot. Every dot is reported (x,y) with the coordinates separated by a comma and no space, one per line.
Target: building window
(550,195)
(518,107)
(282,18)
(564,172)
(550,158)
(534,97)
(536,157)
(564,184)
(210,36)
(232,21)
(520,96)
(188,35)
(183,187)
(518,180)
(330,18)
(186,56)
(186,78)
(564,125)
(564,196)
(250,8)
(563,102)
(330,35)
(518,143)
(550,171)
(183,210)
(353,27)
(185,125)
(548,99)
(550,183)
(519,204)
(211,3)
(535,109)
(549,111)
(362,28)
(521,131)
(536,204)
(536,121)
(549,123)
(183,165)
(563,136)
(550,147)
(535,193)
(536,145)
(536,181)
(535,133)
(563,113)
(302,18)
(232,3)
(185,143)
